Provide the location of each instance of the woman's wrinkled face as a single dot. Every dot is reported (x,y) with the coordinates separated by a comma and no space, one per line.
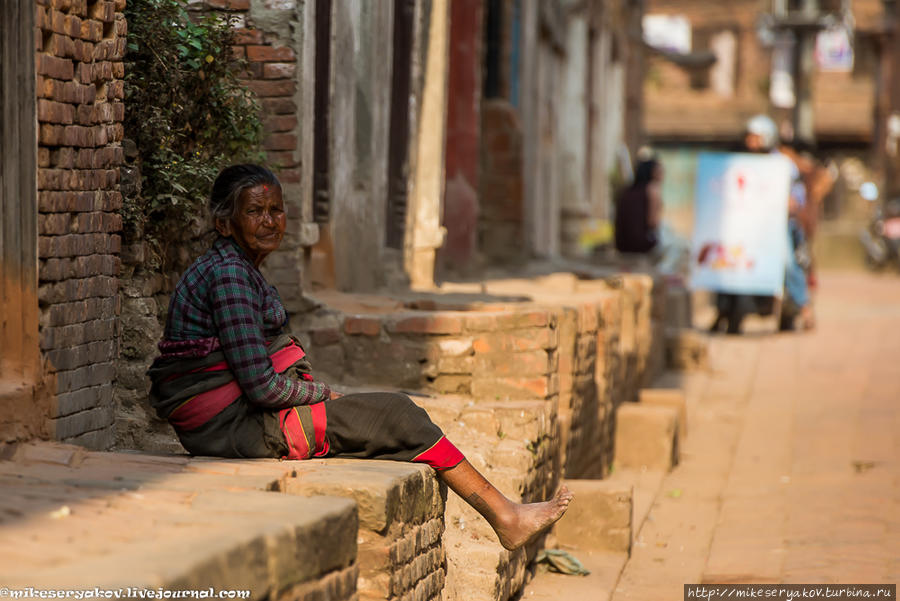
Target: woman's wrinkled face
(259,224)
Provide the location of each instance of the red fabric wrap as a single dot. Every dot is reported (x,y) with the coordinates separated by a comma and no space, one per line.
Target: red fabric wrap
(295,434)
(289,419)
(320,422)
(441,456)
(201,408)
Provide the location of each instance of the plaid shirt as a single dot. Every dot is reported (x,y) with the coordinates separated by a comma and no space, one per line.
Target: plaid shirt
(223,300)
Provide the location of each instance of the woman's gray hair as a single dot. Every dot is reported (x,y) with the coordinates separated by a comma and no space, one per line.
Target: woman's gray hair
(231,182)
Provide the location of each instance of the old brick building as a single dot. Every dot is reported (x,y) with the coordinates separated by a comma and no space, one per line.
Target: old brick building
(711,101)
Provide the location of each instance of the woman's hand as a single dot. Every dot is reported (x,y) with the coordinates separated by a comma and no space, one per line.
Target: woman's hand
(335,395)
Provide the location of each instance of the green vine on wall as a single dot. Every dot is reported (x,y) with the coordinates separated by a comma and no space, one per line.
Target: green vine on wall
(186,110)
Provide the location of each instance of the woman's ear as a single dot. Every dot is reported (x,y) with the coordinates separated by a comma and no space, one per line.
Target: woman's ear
(223,226)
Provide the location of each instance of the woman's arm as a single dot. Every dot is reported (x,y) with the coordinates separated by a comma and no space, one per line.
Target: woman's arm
(237,311)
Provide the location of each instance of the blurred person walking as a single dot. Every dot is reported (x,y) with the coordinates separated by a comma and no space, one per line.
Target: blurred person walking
(762,137)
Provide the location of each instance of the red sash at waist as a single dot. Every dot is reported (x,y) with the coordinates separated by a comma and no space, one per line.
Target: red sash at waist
(201,408)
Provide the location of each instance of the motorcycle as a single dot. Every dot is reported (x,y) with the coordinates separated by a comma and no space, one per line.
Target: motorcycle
(881,236)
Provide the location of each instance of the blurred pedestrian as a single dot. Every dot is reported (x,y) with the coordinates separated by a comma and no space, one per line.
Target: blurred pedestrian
(762,137)
(639,208)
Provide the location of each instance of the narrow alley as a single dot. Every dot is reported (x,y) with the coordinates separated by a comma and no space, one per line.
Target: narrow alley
(791,471)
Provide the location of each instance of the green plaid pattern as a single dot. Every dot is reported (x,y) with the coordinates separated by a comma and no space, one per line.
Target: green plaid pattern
(223,300)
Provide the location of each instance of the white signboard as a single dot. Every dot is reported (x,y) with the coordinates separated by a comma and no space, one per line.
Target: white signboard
(834,50)
(668,32)
(740,240)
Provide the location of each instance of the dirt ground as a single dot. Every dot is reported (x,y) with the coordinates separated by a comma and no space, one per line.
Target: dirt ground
(791,469)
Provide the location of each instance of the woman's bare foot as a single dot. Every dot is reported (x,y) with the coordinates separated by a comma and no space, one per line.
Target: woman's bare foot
(526,521)
(515,523)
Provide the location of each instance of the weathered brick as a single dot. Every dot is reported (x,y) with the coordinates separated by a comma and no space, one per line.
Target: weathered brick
(56,269)
(73,26)
(247,35)
(53,224)
(279,70)
(83,377)
(115,90)
(272,87)
(456,365)
(428,323)
(104,11)
(360,324)
(278,106)
(41,20)
(279,123)
(76,334)
(516,340)
(65,313)
(97,222)
(85,354)
(61,46)
(80,50)
(55,67)
(272,54)
(526,363)
(280,142)
(83,421)
(78,289)
(55,112)
(51,135)
(57,21)
(43,156)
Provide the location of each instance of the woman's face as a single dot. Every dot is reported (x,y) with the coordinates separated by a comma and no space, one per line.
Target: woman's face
(259,224)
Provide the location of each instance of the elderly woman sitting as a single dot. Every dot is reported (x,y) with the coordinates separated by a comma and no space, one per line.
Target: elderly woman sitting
(233,384)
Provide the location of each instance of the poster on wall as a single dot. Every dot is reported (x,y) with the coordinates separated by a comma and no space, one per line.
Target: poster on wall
(740,241)
(834,50)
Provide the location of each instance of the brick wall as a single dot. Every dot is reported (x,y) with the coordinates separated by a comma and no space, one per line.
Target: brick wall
(497,354)
(79,46)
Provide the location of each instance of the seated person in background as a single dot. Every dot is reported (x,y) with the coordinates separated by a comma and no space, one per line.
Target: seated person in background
(233,384)
(639,208)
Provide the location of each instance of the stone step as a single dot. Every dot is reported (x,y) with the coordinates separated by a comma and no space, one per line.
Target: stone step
(646,437)
(600,518)
(605,568)
(667,397)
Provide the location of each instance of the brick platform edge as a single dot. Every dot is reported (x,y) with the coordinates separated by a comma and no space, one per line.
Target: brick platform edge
(320,529)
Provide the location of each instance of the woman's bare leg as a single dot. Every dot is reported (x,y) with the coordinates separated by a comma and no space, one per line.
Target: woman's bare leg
(514,523)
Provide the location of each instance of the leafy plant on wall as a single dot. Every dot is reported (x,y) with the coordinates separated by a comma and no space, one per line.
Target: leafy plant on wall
(188,113)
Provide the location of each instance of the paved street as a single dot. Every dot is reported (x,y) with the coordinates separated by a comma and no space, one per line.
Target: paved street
(791,470)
